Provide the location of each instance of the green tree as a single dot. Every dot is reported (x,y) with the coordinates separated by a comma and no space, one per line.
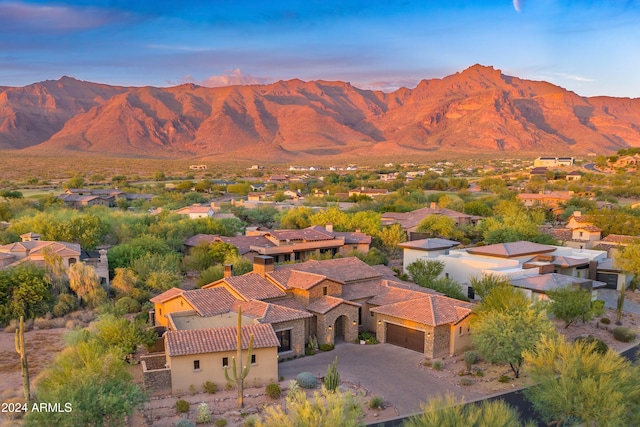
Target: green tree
(478,208)
(83,280)
(448,412)
(483,285)
(75,182)
(577,385)
(56,272)
(571,304)
(124,281)
(628,259)
(324,409)
(122,334)
(439,226)
(210,275)
(220,251)
(426,274)
(504,336)
(24,291)
(94,382)
(296,218)
(503,298)
(391,237)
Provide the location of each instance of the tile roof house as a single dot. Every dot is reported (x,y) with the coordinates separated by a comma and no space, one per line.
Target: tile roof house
(429,248)
(409,221)
(198,355)
(196,211)
(33,249)
(291,245)
(331,299)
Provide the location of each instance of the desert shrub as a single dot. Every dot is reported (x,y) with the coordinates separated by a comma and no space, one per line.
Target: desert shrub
(185,423)
(600,346)
(480,374)
(127,305)
(307,380)
(367,337)
(204,414)
(220,422)
(42,323)
(326,347)
(624,334)
(470,358)
(426,363)
(142,317)
(250,421)
(274,391)
(66,304)
(210,387)
(376,402)
(182,406)
(504,379)
(466,381)
(605,321)
(437,365)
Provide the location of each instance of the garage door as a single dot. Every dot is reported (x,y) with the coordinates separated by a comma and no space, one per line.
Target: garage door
(610,279)
(405,337)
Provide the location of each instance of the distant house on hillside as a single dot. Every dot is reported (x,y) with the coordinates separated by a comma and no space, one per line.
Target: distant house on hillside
(409,221)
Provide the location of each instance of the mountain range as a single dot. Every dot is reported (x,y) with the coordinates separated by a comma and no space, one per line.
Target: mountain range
(478,110)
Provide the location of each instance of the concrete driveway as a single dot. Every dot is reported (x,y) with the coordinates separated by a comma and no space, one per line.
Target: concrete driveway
(383,369)
(610,298)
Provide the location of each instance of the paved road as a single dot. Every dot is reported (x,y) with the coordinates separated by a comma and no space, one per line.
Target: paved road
(379,367)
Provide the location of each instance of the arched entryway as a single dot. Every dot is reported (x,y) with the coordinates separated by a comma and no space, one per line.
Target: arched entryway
(339,328)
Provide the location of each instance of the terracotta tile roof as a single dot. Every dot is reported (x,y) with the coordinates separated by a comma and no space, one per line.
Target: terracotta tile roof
(562,234)
(253,286)
(210,301)
(213,340)
(341,270)
(393,292)
(359,290)
(166,295)
(430,244)
(411,219)
(265,312)
(385,272)
(36,247)
(243,243)
(327,303)
(193,209)
(432,310)
(199,238)
(511,249)
(619,239)
(353,238)
(290,303)
(297,279)
(588,227)
(310,234)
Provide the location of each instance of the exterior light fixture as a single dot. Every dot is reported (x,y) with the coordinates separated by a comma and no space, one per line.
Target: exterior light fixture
(379,322)
(330,328)
(355,323)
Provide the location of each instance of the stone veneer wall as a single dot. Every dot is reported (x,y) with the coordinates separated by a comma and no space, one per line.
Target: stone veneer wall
(439,346)
(326,336)
(155,375)
(298,337)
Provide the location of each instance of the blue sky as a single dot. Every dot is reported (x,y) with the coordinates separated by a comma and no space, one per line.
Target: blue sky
(590,47)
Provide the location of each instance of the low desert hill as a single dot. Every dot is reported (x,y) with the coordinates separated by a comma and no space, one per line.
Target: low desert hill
(479,110)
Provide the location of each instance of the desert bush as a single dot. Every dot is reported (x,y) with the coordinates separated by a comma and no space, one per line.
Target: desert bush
(466,381)
(480,374)
(185,423)
(210,387)
(142,317)
(504,379)
(605,321)
(42,323)
(274,391)
(437,365)
(600,346)
(182,406)
(73,324)
(376,402)
(307,380)
(470,358)
(66,304)
(127,305)
(624,334)
(220,422)
(204,414)
(367,337)
(326,347)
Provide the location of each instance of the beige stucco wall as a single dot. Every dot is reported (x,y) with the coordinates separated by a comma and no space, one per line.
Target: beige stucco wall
(333,289)
(460,337)
(174,305)
(183,376)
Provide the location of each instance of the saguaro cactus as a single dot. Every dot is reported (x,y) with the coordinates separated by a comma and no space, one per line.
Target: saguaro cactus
(332,380)
(21,349)
(238,375)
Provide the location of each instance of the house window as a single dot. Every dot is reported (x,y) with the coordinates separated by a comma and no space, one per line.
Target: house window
(160,312)
(253,359)
(225,362)
(285,340)
(581,234)
(196,365)
(359,315)
(324,290)
(460,330)
(446,275)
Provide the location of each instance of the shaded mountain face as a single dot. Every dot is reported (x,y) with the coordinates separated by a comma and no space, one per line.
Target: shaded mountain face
(477,110)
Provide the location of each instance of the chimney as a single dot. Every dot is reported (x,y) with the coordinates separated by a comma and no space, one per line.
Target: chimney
(434,205)
(329,227)
(358,230)
(228,270)
(262,265)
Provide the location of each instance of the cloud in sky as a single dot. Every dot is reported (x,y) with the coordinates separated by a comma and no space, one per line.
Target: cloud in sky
(231,78)
(25,16)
